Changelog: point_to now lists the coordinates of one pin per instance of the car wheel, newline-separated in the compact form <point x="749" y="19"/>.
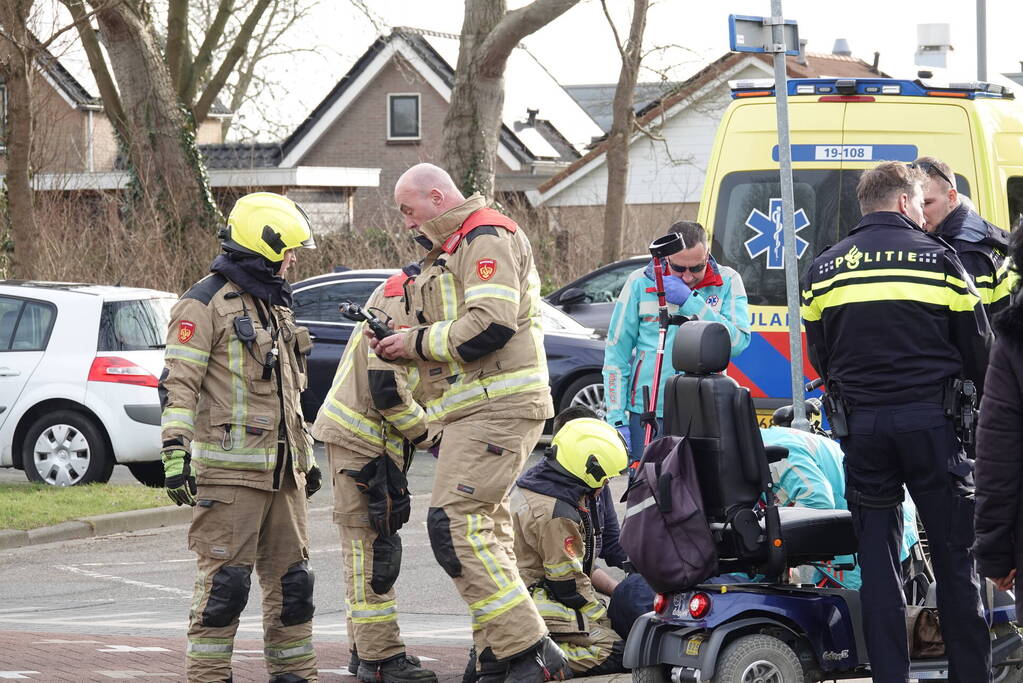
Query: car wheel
<point x="147" y="473"/>
<point x="587" y="390"/>
<point x="65" y="448"/>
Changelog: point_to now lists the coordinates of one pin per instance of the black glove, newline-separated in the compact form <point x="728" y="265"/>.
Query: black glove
<point x="178" y="477"/>
<point x="313" y="481"/>
<point x="390" y="504"/>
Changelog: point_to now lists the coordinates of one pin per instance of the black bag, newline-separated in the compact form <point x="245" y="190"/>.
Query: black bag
<point x="390" y="504"/>
<point x="665" y="531"/>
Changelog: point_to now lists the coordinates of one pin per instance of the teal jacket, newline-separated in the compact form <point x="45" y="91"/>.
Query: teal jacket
<point x="813" y="476"/>
<point x="631" y="348"/>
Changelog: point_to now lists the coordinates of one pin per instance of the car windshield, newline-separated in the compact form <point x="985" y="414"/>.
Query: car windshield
<point x="134" y="325"/>
<point x="554" y="321"/>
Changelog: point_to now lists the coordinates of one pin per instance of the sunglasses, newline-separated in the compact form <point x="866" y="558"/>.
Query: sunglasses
<point x="930" y="169"/>
<point x="692" y="269"/>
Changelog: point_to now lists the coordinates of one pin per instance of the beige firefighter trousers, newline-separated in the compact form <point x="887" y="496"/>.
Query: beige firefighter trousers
<point x="470" y="527"/>
<point x="233" y="529"/>
<point x="371" y="564"/>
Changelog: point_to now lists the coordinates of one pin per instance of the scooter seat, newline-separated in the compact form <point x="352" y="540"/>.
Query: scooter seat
<point x="810" y="535"/>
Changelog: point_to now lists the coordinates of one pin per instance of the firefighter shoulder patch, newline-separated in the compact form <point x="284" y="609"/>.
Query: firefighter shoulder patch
<point x="185" y="331"/>
<point x="570" y="546"/>
<point x="485" y="268"/>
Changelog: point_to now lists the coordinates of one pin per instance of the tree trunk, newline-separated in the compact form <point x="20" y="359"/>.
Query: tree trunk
<point x="16" y="72"/>
<point x="623" y="108"/>
<point x="171" y="183"/>
<point x="472" y="126"/>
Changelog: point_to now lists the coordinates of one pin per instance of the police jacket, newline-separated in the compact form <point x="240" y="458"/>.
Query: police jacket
<point x="476" y="336"/>
<point x="370" y="408"/>
<point x="561" y="526"/>
<point x="631" y="348"/>
<point x="890" y="316"/>
<point x="999" y="464"/>
<point x="981" y="247"/>
<point x="222" y="400"/>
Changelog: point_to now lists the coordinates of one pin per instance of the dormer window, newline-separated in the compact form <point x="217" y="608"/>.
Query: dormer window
<point x="403" y="118"/>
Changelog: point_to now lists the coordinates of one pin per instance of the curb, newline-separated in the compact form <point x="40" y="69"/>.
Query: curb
<point x="99" y="525"/>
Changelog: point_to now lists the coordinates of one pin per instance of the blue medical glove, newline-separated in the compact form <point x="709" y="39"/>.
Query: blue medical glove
<point x="626" y="435"/>
<point x="676" y="291"/>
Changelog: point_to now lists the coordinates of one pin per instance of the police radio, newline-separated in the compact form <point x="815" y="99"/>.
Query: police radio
<point x="356" y="314"/>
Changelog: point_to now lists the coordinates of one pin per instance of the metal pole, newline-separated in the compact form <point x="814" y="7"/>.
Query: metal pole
<point x="799" y="420"/>
<point x="981" y="40"/>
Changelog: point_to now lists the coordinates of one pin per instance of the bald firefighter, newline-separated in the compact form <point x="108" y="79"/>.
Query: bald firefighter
<point x="557" y="517"/>
<point x="371" y="424"/>
<point x="478" y="345"/>
<point x="235" y="445"/>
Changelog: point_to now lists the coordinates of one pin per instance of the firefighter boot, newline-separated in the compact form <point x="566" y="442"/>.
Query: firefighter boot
<point x="543" y="662"/>
<point x="398" y="669"/>
<point x="469" y="675"/>
<point x="287" y="678"/>
<point x="353" y="663"/>
<point x="491" y="670"/>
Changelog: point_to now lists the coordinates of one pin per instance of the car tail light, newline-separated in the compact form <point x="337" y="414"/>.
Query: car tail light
<point x="120" y="371"/>
<point x="660" y="602"/>
<point x="699" y="605"/>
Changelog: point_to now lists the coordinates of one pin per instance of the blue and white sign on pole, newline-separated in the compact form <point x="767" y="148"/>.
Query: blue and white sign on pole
<point x="756" y="34"/>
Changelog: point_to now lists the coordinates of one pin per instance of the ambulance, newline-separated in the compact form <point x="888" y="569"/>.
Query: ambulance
<point x="839" y="127"/>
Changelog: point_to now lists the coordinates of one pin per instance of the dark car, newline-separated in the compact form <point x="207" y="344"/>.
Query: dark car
<point x="591" y="298"/>
<point x="575" y="355"/>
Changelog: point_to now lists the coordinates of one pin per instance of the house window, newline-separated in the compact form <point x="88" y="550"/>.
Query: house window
<point x="403" y="116"/>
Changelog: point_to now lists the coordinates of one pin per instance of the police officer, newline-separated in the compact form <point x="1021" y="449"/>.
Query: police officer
<point x="478" y="344"/>
<point x="235" y="445"/>
<point x="368" y="421"/>
<point x="890" y="321"/>
<point x="981" y="246"/>
<point x="558" y="514"/>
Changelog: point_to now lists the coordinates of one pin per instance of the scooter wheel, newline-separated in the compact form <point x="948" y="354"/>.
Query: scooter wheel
<point x="649" y="674"/>
<point x="759" y="658"/>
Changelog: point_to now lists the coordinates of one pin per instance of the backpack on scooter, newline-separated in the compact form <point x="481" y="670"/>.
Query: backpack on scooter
<point x="665" y="532"/>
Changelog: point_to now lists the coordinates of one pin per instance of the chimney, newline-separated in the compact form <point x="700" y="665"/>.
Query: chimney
<point x="934" y="42"/>
<point x="801" y="57"/>
<point x="841" y="48"/>
<point x="877" y="60"/>
<point x="531" y="117"/>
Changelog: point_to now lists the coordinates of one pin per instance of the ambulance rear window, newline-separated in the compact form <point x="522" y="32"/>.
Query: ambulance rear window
<point x="747" y="223"/>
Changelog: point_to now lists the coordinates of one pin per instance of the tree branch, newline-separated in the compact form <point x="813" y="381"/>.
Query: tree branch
<point x="204" y="55"/>
<point x="177" y="30"/>
<point x="215" y="85"/>
<point x="614" y="29"/>
<point x="101" y="72"/>
<point x="516" y="25"/>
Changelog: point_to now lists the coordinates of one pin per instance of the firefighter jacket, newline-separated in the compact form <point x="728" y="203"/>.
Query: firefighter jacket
<point x="224" y="399"/>
<point x="370" y="408"/>
<point x="632" y="335"/>
<point x="561" y="527"/>
<point x="478" y="339"/>
<point x="890" y="315"/>
<point x="981" y="247"/>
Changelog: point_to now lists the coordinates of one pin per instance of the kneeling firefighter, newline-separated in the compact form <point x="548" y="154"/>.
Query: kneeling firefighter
<point x="235" y="445"/>
<point x="557" y="514"/>
<point x="371" y="425"/>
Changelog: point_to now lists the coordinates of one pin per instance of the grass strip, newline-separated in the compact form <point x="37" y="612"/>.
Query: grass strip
<point x="30" y="506"/>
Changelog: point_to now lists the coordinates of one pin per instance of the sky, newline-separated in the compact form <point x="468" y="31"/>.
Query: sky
<point x="578" y="46"/>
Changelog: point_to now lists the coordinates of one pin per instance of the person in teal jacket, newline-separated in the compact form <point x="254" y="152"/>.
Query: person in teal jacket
<point x="813" y="476"/>
<point x="698" y="287"/>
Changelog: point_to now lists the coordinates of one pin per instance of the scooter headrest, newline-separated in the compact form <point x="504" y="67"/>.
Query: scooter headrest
<point x="701" y="347"/>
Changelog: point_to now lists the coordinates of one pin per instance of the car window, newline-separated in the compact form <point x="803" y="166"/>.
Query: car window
<point x="320" y="302"/>
<point x="553" y="320"/>
<point x="604" y="287"/>
<point x="134" y="325"/>
<point x="25" y="325"/>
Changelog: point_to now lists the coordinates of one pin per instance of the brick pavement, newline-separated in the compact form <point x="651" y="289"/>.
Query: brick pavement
<point x="63" y="657"/>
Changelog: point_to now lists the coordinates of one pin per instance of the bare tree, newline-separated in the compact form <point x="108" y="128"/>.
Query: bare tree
<point x="471" y="127"/>
<point x="622" y="127"/>
<point x="17" y="60"/>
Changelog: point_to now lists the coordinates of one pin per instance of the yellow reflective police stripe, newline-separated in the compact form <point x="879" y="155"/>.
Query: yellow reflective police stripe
<point x="475" y="535"/>
<point x="438" y="340"/>
<point x="235" y="459"/>
<point x="285" y="652"/>
<point x="353" y="422"/>
<point x="550" y="608"/>
<point x="533" y="292"/>
<point x="938" y="276"/>
<point x="371" y="612"/>
<point x="594" y="610"/>
<point x="187" y="354"/>
<point x="412" y="379"/>
<point x="358" y="571"/>
<point x="408" y="417"/>
<point x="209" y="648"/>
<point x="891" y="291"/>
<point x="497" y="604"/>
<point x="556" y="571"/>
<point x="236" y="365"/>
<point x="580" y="653"/>
<point x="448" y="296"/>
<point x="502" y="292"/>
<point x="463" y="395"/>
<point x="182" y="418"/>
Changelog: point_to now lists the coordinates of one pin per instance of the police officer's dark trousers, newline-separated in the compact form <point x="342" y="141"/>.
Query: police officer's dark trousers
<point x="915" y="444"/>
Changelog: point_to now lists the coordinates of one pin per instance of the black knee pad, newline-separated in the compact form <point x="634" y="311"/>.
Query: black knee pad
<point x="287" y="678"/>
<point x="438" y="525"/>
<point x="297" y="594"/>
<point x="386" y="562"/>
<point x="228" y="596"/>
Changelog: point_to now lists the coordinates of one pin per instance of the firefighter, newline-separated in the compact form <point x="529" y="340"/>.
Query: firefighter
<point x="235" y="446"/>
<point x="478" y="344"/>
<point x="559" y="509"/>
<point x="370" y="424"/>
<point x="893" y="327"/>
